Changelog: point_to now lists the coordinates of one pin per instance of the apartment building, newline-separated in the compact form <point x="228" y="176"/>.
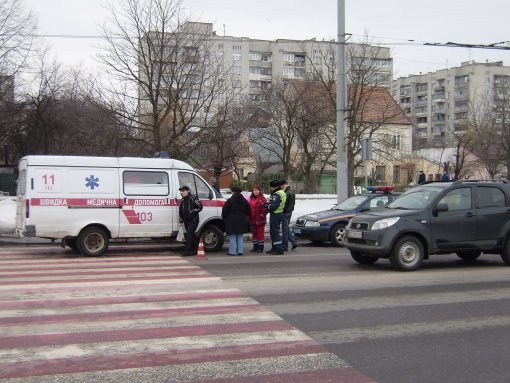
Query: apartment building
<point x="438" y="103"/>
<point x="257" y="63"/>
<point x="253" y="65"/>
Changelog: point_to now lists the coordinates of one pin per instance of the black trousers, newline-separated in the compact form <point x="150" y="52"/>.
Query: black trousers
<point x="191" y="238"/>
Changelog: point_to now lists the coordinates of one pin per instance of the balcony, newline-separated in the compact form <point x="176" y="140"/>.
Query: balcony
<point x="439" y="97"/>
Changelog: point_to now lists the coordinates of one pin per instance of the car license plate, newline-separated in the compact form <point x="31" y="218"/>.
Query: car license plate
<point x="297" y="231"/>
<point x="355" y="234"/>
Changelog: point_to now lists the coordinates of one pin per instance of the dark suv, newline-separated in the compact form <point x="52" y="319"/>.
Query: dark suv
<point x="462" y="217"/>
<point x="328" y="225"/>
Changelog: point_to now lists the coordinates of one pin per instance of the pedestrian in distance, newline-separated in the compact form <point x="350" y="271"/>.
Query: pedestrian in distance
<point x="290" y="201"/>
<point x="445" y="176"/>
<point x="189" y="209"/>
<point x="421" y="178"/>
<point x="275" y="206"/>
<point x="258" y="218"/>
<point x="237" y="216"/>
<point x="214" y="183"/>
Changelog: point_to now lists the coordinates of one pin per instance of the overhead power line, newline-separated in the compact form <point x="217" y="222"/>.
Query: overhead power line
<point x="502" y="45"/>
<point x="496" y="46"/>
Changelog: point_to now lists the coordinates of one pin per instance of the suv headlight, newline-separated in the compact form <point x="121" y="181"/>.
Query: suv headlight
<point x="312" y="224"/>
<point x="384" y="223"/>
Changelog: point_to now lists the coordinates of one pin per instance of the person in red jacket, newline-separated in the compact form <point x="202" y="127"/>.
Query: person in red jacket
<point x="258" y="219"/>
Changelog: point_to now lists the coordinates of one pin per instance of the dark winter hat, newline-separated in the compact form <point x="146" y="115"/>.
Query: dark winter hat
<point x="283" y="182"/>
<point x="236" y="189"/>
<point x="184" y="187"/>
<point x="274" y="183"/>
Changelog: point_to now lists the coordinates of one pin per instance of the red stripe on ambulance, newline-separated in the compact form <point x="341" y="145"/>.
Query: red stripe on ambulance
<point x="132" y="217"/>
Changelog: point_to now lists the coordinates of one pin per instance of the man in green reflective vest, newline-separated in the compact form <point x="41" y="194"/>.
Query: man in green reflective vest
<point x="275" y="206"/>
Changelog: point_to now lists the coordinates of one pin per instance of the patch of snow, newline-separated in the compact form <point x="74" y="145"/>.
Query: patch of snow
<point x="7" y="215"/>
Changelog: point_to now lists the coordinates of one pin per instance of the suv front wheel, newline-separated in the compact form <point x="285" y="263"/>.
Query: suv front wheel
<point x="407" y="254"/>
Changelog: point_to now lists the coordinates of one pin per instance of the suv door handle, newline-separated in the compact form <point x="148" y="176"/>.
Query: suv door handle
<point x="469" y="214"/>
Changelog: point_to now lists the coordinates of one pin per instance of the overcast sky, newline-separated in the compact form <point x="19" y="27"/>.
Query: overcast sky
<point x="401" y="25"/>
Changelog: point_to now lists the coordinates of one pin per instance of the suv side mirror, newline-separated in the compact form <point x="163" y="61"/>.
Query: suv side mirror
<point x="440" y="207"/>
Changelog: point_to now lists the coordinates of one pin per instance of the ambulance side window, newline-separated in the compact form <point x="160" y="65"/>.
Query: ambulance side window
<point x="203" y="190"/>
<point x="145" y="183"/>
<point x="197" y="185"/>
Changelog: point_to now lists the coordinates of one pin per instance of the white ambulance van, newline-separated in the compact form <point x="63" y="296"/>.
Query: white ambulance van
<point x="87" y="201"/>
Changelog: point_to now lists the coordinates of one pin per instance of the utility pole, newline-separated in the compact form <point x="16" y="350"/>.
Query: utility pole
<point x="341" y="89"/>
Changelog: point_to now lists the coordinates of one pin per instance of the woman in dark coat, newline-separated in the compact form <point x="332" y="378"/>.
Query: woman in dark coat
<point x="236" y="214"/>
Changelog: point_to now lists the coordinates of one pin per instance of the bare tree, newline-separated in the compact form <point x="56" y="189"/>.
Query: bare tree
<point x="488" y="137"/>
<point x="224" y="142"/>
<point x="281" y="108"/>
<point x="502" y="116"/>
<point x="315" y="128"/>
<point x="62" y="114"/>
<point x="16" y="36"/>
<point x="163" y="61"/>
<point x="367" y="112"/>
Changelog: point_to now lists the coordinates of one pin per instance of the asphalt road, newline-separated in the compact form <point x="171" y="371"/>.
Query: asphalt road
<point x="142" y="313"/>
<point x="447" y="322"/>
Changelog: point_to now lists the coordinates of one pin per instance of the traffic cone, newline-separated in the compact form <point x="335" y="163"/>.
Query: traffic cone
<point x="201" y="253"/>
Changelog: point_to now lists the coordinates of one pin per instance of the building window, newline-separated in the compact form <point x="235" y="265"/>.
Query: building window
<point x="421" y="100"/>
<point x="288" y="71"/>
<point x="421" y="87"/>
<point x="380" y="173"/>
<point x="395" y="142"/>
<point x="255" y="56"/>
<point x="288" y="57"/>
<point x="299" y="72"/>
<point x="396" y="174"/>
<point x="236" y="47"/>
<point x="236" y="56"/>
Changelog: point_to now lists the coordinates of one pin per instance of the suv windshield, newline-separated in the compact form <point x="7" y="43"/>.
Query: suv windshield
<point x="417" y="198"/>
<point x="351" y="203"/>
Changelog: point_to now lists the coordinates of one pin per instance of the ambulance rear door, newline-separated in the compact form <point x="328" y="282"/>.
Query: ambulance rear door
<point x="21" y="198"/>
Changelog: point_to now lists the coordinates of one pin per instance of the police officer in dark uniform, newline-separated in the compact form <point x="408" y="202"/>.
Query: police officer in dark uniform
<point x="275" y="206"/>
<point x="189" y="208"/>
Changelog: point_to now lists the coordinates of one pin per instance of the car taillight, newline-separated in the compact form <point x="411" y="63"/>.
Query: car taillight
<point x="27" y="210"/>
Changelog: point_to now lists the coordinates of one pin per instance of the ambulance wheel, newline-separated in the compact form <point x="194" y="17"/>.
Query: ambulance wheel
<point x="213" y="238"/>
<point x="93" y="241"/>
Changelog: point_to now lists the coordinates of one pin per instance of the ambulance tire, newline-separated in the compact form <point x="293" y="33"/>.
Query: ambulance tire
<point x="93" y="241"/>
<point x="213" y="238"/>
